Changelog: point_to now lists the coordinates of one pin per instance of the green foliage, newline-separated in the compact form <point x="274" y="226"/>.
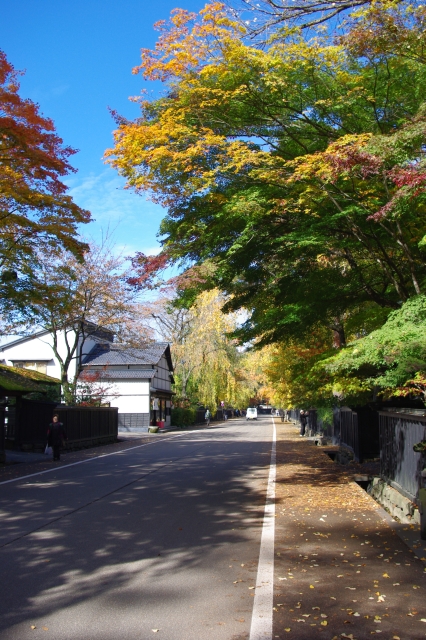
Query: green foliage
<point x="183" y="417"/>
<point x="420" y="447"/>
<point x="295" y="168"/>
<point x="47" y="393"/>
<point x="325" y="415"/>
<point x="387" y="358"/>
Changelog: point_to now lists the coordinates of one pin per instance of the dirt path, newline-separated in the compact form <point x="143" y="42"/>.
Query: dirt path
<point x="340" y="570"/>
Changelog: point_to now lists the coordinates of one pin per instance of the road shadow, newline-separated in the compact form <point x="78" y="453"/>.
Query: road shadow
<point x="171" y="513"/>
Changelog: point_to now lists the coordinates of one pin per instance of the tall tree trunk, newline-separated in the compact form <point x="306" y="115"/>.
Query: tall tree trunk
<point x="67" y="388"/>
<point x="339" y="337"/>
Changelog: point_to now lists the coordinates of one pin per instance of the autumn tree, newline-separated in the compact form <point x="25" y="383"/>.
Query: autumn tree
<point x="75" y="299"/>
<point x="292" y="375"/>
<point x="265" y="17"/>
<point x="208" y="366"/>
<point x="92" y="390"/>
<point x="296" y="167"/>
<point x="36" y="213"/>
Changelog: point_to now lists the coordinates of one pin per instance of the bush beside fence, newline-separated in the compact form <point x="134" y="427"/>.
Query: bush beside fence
<point x="186" y="417"/>
<point x="183" y="417"/>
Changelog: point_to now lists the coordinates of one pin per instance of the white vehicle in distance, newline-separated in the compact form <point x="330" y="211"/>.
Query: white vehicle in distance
<point x="251" y="413"/>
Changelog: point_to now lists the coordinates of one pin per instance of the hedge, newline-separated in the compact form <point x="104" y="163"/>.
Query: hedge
<point x="183" y="417"/>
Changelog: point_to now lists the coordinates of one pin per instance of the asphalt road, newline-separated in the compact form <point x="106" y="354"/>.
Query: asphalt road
<point x="158" y="541"/>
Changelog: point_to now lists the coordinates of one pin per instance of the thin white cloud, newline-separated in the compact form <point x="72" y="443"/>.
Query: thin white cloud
<point x="132" y="220"/>
<point x="152" y="251"/>
<point x="42" y="96"/>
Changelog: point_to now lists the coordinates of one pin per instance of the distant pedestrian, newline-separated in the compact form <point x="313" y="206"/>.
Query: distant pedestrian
<point x="281" y="412"/>
<point x="207" y="417"/>
<point x="303" y="420"/>
<point x="56" y="436"/>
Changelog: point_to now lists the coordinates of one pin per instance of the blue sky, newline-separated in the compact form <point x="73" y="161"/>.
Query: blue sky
<point x="78" y="58"/>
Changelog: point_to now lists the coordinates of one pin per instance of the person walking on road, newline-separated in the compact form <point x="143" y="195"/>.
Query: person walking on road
<point x="56" y="436"/>
<point x="281" y="413"/>
<point x="303" y="420"/>
<point x="207" y="417"/>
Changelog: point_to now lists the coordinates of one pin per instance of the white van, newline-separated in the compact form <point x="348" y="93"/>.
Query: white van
<point x="251" y="413"/>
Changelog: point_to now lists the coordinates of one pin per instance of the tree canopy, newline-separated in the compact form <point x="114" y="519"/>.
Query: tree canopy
<point x="295" y="168"/>
<point x="389" y="361"/>
<point x="209" y="368"/>
<point x="36" y="213"/>
<point x="74" y="299"/>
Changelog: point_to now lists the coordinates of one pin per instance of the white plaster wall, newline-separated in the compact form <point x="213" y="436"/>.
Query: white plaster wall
<point x="40" y="348"/>
<point x="129" y="388"/>
<point x="130" y="404"/>
<point x="131" y="397"/>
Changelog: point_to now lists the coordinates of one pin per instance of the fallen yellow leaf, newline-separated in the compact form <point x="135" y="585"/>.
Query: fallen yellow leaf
<point x="311" y="586"/>
<point x="33" y="627"/>
<point x="385" y="575"/>
<point x="324" y="623"/>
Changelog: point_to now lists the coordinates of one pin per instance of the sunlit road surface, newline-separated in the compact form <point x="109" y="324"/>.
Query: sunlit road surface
<point x="159" y="541"/>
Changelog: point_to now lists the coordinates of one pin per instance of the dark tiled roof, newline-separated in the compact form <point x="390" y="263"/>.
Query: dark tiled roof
<point x="104" y="354"/>
<point x="141" y="374"/>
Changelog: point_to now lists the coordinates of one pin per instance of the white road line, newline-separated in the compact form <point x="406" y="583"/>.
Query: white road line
<point x="103" y="455"/>
<point x="261" y="621"/>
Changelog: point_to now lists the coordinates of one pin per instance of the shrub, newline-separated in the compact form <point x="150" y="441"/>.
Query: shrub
<point x="183" y="417"/>
<point x="325" y="417"/>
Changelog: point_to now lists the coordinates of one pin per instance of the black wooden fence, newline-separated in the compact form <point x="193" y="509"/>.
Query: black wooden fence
<point x="88" y="426"/>
<point x="358" y="429"/>
<point x="312" y="419"/>
<point x="294" y="415"/>
<point x="85" y="426"/>
<point x="399" y="464"/>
